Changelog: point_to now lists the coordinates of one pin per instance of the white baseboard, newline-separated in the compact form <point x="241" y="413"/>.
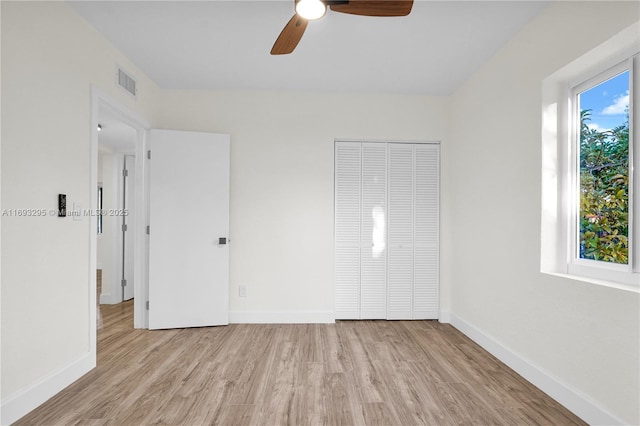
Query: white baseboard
<point x="281" y="317"/>
<point x="581" y="405"/>
<point x="20" y="404"/>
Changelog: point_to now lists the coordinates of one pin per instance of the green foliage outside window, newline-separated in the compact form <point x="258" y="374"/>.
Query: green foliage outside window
<point x="604" y="192"/>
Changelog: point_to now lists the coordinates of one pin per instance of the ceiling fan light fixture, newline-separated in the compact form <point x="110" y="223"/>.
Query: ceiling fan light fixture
<point x="311" y="9"/>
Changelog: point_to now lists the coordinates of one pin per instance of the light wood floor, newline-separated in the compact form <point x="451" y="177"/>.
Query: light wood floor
<point x="348" y="373"/>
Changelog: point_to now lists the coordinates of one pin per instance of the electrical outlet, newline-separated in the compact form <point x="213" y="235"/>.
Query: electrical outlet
<point x="242" y="291"/>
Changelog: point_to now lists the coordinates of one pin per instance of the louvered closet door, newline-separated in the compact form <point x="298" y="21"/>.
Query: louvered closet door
<point x="401" y="224"/>
<point x="426" y="236"/>
<point x="386" y="230"/>
<point x="347" y="229"/>
<point x="373" y="279"/>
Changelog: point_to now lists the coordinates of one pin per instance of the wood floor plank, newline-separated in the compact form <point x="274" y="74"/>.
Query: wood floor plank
<point x="347" y="373"/>
<point x="193" y="397"/>
<point x="377" y="414"/>
<point x="243" y="414"/>
<point x="344" y="410"/>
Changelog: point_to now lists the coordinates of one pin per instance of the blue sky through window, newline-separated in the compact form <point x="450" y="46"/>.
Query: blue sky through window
<point x="608" y="102"/>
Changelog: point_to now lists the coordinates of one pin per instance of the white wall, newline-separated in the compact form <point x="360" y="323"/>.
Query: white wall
<point x="585" y="336"/>
<point x="282" y="183"/>
<point x="50" y="60"/>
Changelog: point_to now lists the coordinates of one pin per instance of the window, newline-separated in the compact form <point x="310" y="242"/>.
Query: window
<point x="602" y="237"/>
<point x="590" y="218"/>
<point x="602" y="116"/>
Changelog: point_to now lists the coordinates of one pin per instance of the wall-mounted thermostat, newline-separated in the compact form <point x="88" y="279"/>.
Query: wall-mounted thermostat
<point x="62" y="205"/>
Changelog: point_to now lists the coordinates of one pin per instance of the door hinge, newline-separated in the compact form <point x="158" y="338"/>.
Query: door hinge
<point x="125" y="172"/>
<point x="148" y="229"/>
<point x="147" y="305"/>
<point x="123" y="283"/>
<point x="124" y="227"/>
<point x="149" y="154"/>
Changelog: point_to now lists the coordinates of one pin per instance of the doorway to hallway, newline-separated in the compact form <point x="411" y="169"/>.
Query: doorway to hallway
<point x="115" y="207"/>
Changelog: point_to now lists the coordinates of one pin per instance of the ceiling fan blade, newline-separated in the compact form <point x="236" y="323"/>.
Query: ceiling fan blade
<point x="290" y="36"/>
<point x="374" y="7"/>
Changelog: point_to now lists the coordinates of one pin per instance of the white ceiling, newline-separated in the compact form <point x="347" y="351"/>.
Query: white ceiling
<point x="224" y="45"/>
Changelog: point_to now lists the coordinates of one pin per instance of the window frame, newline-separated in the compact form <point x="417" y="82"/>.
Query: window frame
<point x="600" y="270"/>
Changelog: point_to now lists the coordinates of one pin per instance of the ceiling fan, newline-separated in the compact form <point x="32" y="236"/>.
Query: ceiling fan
<point x="309" y="10"/>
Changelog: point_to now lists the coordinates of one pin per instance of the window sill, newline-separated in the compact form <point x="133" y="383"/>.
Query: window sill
<point x="611" y="284"/>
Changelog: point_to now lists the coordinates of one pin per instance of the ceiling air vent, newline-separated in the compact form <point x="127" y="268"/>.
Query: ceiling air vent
<point x="125" y="81"/>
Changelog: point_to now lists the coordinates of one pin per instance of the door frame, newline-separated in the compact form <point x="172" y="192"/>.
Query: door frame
<point x="100" y="100"/>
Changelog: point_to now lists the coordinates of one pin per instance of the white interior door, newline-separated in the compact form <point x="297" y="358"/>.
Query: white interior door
<point x="426" y="236"/>
<point x="401" y="230"/>
<point x="348" y="188"/>
<point x="373" y="252"/>
<point x="189" y="218"/>
<point x="129" y="233"/>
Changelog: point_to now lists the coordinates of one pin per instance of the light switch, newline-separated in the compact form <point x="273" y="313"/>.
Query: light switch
<point x="77" y="212"/>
